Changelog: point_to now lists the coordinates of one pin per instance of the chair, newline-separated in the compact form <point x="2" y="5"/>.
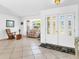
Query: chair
<point x="10" y="34"/>
<point x="34" y="33"/>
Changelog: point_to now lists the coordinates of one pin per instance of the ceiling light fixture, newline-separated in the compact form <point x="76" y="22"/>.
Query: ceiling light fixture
<point x="57" y="2"/>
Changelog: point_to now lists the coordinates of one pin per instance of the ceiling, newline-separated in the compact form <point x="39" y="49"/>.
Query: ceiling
<point x="30" y="7"/>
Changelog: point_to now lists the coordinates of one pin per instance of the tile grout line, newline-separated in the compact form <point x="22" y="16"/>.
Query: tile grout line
<point x="11" y="52"/>
<point x="22" y="48"/>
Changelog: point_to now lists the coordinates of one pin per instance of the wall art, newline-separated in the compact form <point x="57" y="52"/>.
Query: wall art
<point x="10" y="23"/>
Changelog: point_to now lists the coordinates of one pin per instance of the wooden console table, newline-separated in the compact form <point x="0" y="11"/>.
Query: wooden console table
<point x="18" y="36"/>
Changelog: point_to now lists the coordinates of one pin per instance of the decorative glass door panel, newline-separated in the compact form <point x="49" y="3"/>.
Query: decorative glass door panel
<point x="52" y="30"/>
<point x="66" y="30"/>
<point x="70" y="29"/>
<point x="61" y="30"/>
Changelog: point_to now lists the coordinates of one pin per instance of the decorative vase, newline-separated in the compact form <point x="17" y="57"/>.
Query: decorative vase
<point x="19" y="31"/>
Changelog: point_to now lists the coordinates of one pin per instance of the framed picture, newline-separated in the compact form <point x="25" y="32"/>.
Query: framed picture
<point x="9" y="23"/>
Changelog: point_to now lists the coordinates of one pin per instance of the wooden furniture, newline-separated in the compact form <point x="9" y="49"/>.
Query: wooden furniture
<point x="10" y="34"/>
<point x="18" y="36"/>
<point x="34" y="33"/>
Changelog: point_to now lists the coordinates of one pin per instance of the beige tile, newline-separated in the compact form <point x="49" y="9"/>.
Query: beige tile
<point x="28" y="57"/>
<point x="63" y="55"/>
<point x="27" y="53"/>
<point x="37" y="51"/>
<point x="46" y="51"/>
<point x="27" y="48"/>
<point x="51" y="56"/>
<point x="18" y="50"/>
<point x="40" y="56"/>
<point x="33" y="44"/>
<point x="65" y="58"/>
<point x="1" y="51"/>
<point x="7" y="51"/>
<point x="16" y="58"/>
<point x="34" y="47"/>
<point x="16" y="54"/>
<point x="4" y="56"/>
<point x="18" y="46"/>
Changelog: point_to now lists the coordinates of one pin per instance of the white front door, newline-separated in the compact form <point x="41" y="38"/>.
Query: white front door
<point x="51" y="33"/>
<point x="66" y="30"/>
<point x="70" y="30"/>
<point x="62" y="30"/>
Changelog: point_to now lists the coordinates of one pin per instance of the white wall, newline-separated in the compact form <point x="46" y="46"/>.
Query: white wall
<point x="3" y="18"/>
<point x="23" y="27"/>
<point x="54" y="11"/>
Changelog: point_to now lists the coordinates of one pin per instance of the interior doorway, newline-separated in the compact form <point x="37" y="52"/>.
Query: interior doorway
<point x="33" y="28"/>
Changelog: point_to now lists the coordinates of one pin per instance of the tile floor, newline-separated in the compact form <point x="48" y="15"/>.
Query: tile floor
<point x="28" y="48"/>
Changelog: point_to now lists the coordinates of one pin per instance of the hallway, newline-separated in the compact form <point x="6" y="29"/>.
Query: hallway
<point x="28" y="48"/>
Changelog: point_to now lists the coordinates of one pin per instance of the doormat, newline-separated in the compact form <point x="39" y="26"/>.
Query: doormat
<point x="59" y="48"/>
